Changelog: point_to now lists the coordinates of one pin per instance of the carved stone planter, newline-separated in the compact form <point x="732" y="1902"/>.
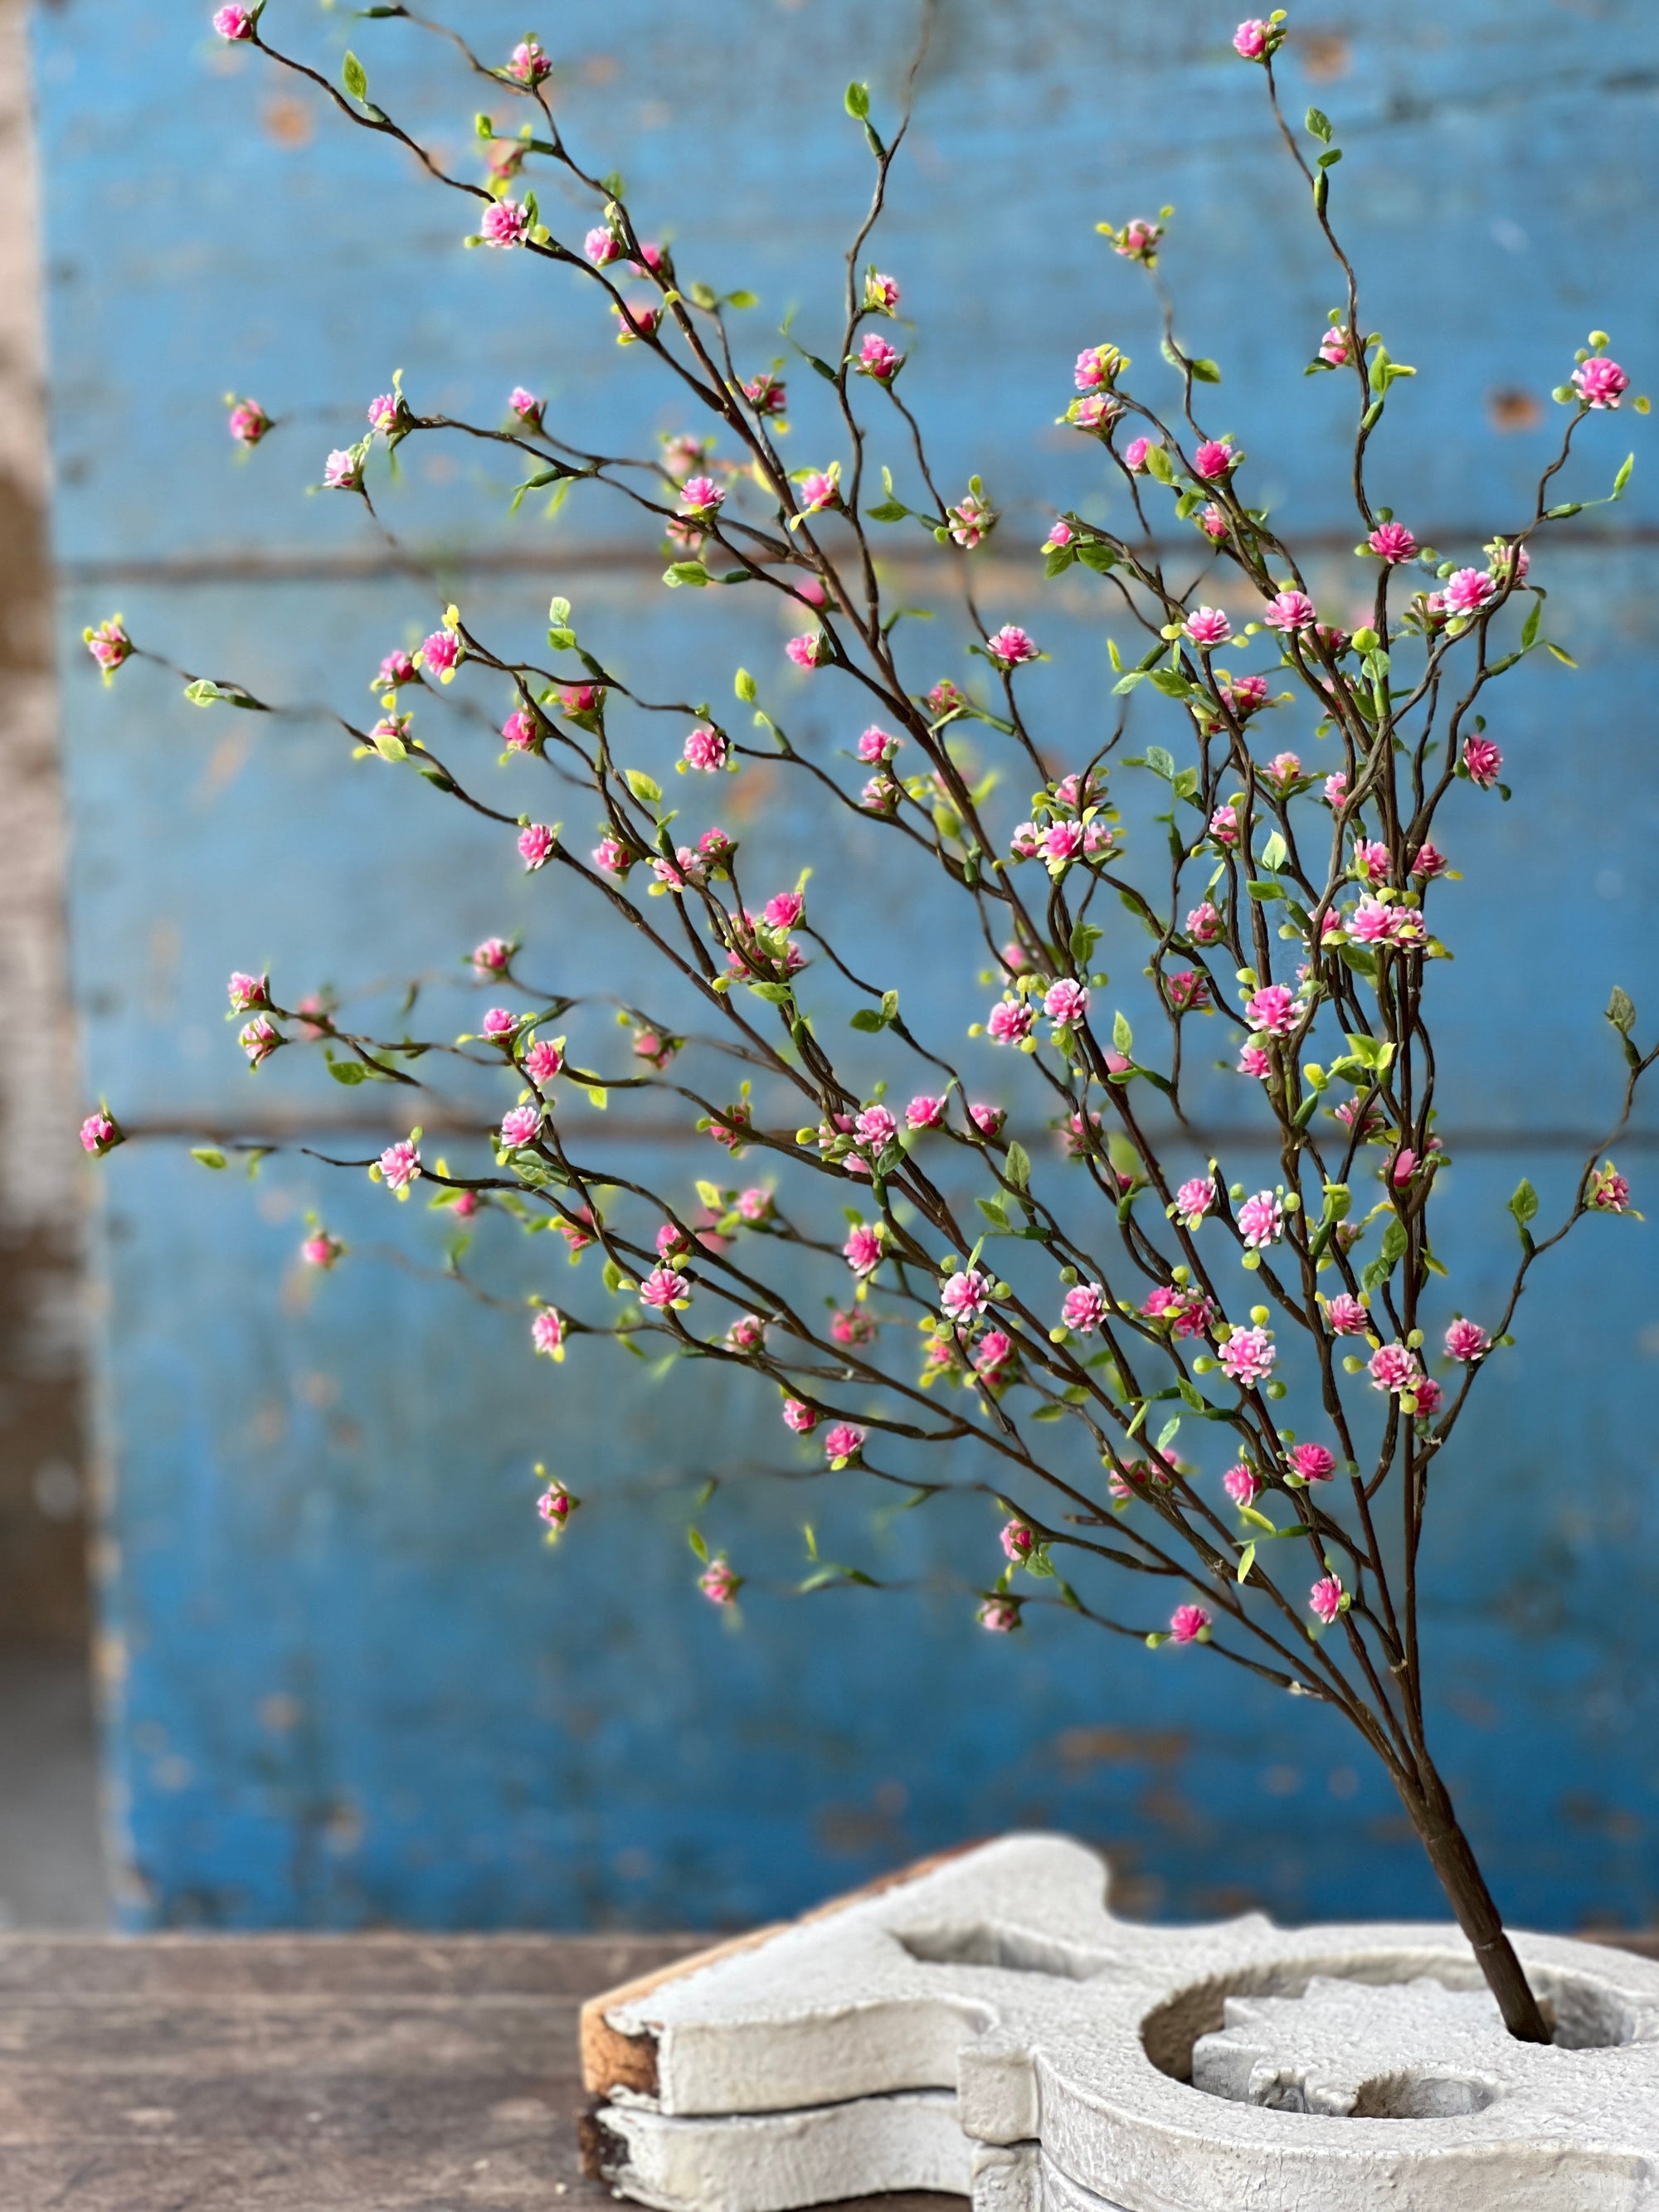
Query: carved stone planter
<point x="983" y="2024"/>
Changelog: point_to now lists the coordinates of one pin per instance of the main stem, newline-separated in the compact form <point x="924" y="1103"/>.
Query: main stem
<point x="1450" y="1854"/>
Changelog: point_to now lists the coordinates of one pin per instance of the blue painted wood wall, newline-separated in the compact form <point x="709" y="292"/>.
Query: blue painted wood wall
<point x="345" y="1683"/>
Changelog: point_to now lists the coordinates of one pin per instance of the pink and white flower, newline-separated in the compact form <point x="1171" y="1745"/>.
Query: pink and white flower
<point x="258" y="1039"/>
<point x="1261" y="1220"/>
<point x="1392" y="543"/>
<point x="1327" y="1598"/>
<point x="247" y="422"/>
<point x="1600" y="382"/>
<point x="877" y="745"/>
<point x="1289" y="611"/>
<point x="800" y="1418"/>
<point x="875" y="1128"/>
<point x="1272" y="1010"/>
<point x="1224" y="823"/>
<point x="99" y="1134"/>
<point x="811" y="650"/>
<point x="1241" y="1484"/>
<point x="1429" y="861"/>
<point x="701" y="496"/>
<point x="988" y="1119"/>
<point x="842" y="1442"/>
<point x="1255" y="1060"/>
<point x="718" y="1584"/>
<point x="528" y="63"/>
<point x="1606" y="1192"/>
<point x="499" y="1022"/>
<point x="881" y="293"/>
<point x="400" y="1164"/>
<point x="1066" y="1002"/>
<point x="1189" y="1624"/>
<point x="1000" y="1615"/>
<point x="1010" y="1021"/>
<point x="964" y="1297"/>
<point x="1482" y="761"/>
<point x="441" y="654"/>
<point x="1346" y="1317"/>
<point x="1466" y="1340"/>
<point x="1010" y="646"/>
<point x="1213" y="459"/>
<point x="664" y="1287"/>
<point x="1195" y="1200"/>
<point x="1393" y="1370"/>
<point x="925" y="1112"/>
<point x="862" y="1250"/>
<point x="1469" y="590"/>
<point x="321" y="1250"/>
<point x="707" y="749"/>
<point x="248" y="993"/>
<point x="1084" y="1308"/>
<point x="1204" y="925"/>
<point x="1313" y="1462"/>
<point x="493" y="957"/>
<point x="1334" y="349"/>
<point x="537" y="844"/>
<point x="1208" y="627"/>
<point x="232" y="22"/>
<point x="543" y="1061"/>
<point x="504" y="223"/>
<point x="520" y="1127"/>
<point x="1249" y="1355"/>
<point x="880" y="358"/>
<point x="525" y="405"/>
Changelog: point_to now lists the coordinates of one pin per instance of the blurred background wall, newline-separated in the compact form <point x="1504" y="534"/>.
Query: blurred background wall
<point x="343" y="1682"/>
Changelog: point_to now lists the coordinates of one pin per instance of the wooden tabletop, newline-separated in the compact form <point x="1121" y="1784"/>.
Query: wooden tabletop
<point x="303" y="2074"/>
<point x="307" y="2074"/>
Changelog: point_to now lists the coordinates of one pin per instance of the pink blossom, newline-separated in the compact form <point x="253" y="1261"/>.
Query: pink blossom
<point x="440" y="652"/>
<point x="811" y="650"/>
<point x="1253" y="39"/>
<point x="1066" y="1002"/>
<point x="1392" y="543"/>
<point x="766" y="395"/>
<point x="1468" y="590"/>
<point x="1289" y="611"/>
<point x="1139" y="239"/>
<point x="706" y="750"/>
<point x="1010" y="646"/>
<point x="1204" y="925"/>
<point x="1429" y="862"/>
<point x="925" y="1112"/>
<point x="1272" y="1010"/>
<point x="1346" y="1317"/>
<point x="1208" y="627"/>
<point x="521" y="732"/>
<point x="843" y="1441"/>
<point x="232" y="22"/>
<point x="672" y="1242"/>
<point x="988" y="1119"/>
<point x="993" y="1353"/>
<point x="385" y="412"/>
<point x="321" y="1250"/>
<point x="248" y="993"/>
<point x="1326" y="1598"/>
<point x="400" y="1164"/>
<point x="504" y="223"/>
<point x="1211" y="521"/>
<point x="701" y="495"/>
<point x="1097" y="366"/>
<point x="1213" y="459"/>
<point x="1249" y="1355"/>
<point x="1508" y="558"/>
<point x="466" y="1206"/>
<point x="258" y="1039"/>
<point x="247" y="422"/>
<point x="1482" y="760"/>
<point x="1428" y="1395"/>
<point x="529" y="64"/>
<point x="862" y="1250"/>
<point x="1334" y="347"/>
<point x="98" y="1135"/>
<point x="1018" y="1541"/>
<point x="1061" y="534"/>
<point x="554" y="1506"/>
<point x="1313" y="1462"/>
<point x="525" y="405"/>
<point x="1405" y="1167"/>
<point x="536" y="846"/>
<point x="784" y="909"/>
<point x="614" y="859"/>
<point x="1134" y="455"/>
<point x="875" y="1126"/>
<point x="857" y="1326"/>
<point x="397" y="670"/>
<point x="1261" y="1220"/>
<point x="756" y="1204"/>
<point x="1010" y="1021"/>
<point x="1187" y="1623"/>
<point x="343" y="469"/>
<point x="1224" y="823"/>
<point x="1284" y="768"/>
<point x="1393" y="1368"/>
<point x="810" y="592"/>
<point x="664" y="1287"/>
<point x="1466" y="1340"/>
<point x="876" y="744"/>
<point x="1189" y="1311"/>
<point x="542" y="1061"/>
<point x="1084" y="1308"/>
<point x="492" y="956"/>
<point x="1371" y="922"/>
<point x="1187" y="992"/>
<point x="1600" y="382"/>
<point x="1096" y="413"/>
<point x="964" y="1297"/>
<point x="878" y="358"/>
<point x="1241" y="1484"/>
<point x="1195" y="1199"/>
<point x="718" y="1584"/>
<point x="1252" y="1060"/>
<point x="499" y="1022"/>
<point x="971" y="521"/>
<point x="799" y="1417"/>
<point x="1061" y="842"/>
<point x="1607" y="1191"/>
<point x="1000" y="1615"/>
<point x="519" y="1127"/>
<point x="880" y="293"/>
<point x="684" y="871"/>
<point x="1336" y="791"/>
<point x="647" y="1045"/>
<point x="747" y="1334"/>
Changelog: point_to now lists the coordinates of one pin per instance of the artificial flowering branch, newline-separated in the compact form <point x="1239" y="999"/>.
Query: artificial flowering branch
<point x="1078" y="1306"/>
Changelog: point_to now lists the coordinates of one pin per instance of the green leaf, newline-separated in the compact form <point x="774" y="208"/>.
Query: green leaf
<point x="741" y="300"/>
<point x="558" y="612"/>
<point x="1123" y="1037"/>
<point x="1319" y="126"/>
<point x="645" y="788"/>
<point x="745" y="685"/>
<point x="351" y="76"/>
<point x="857" y="101"/>
<point x="994" y="1212"/>
<point x="887" y="510"/>
<point x="1275" y="852"/>
<point x="1621" y="1012"/>
<point x="202" y="692"/>
<point x="1084" y="937"/>
<point x="1103" y="559"/>
<point x="209" y="1155"/>
<point x="868" y="1020"/>
<point x="1017" y="1165"/>
<point x="348" y="1071"/>
<point x="1204" y="372"/>
<point x="1529" y="628"/>
<point x="1623" y="477"/>
<point x="1562" y="655"/>
<point x="1524" y="1204"/>
<point x="562" y="638"/>
<point x="685" y="572"/>
<point x="694" y="1537"/>
<point x="1160" y="763"/>
<point x="1246" y="1561"/>
<point x="1169" y="1432"/>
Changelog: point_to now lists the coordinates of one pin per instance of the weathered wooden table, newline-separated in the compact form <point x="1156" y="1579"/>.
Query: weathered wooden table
<point x="302" y="2074"/>
<point x="307" y="2074"/>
